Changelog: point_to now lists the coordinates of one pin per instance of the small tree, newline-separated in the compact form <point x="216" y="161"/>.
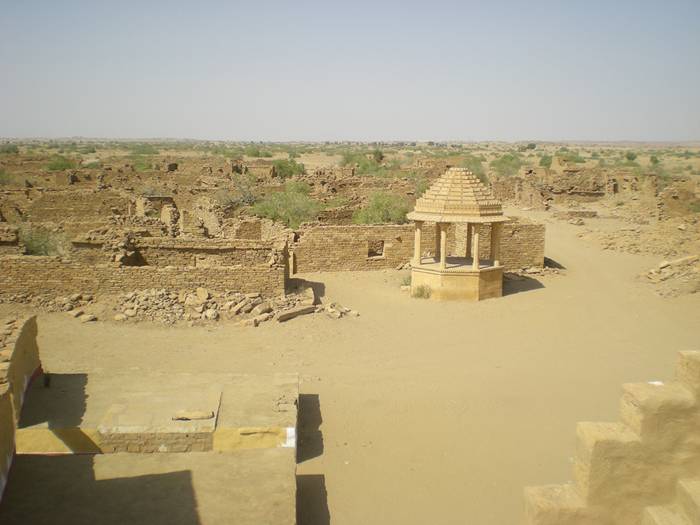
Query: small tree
<point x="10" y="149"/>
<point x="287" y="168"/>
<point x="382" y="208"/>
<point x="5" y="178"/>
<point x="40" y="241"/>
<point x="60" y="163"/>
<point x="508" y="164"/>
<point x="546" y="161"/>
<point x="292" y="206"/>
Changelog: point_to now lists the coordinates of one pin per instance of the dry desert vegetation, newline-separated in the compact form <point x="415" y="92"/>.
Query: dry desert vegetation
<point x="208" y="333"/>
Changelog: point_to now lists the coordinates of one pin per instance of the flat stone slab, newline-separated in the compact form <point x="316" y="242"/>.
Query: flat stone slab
<point x="108" y="413"/>
<point x="250" y="487"/>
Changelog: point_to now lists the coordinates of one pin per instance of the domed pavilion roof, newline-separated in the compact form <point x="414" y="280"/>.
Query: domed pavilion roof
<point x="458" y="196"/>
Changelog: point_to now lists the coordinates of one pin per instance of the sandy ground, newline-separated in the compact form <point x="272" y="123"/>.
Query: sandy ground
<point x="424" y="412"/>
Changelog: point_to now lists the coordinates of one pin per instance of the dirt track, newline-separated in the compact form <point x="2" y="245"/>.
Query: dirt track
<point x="432" y="413"/>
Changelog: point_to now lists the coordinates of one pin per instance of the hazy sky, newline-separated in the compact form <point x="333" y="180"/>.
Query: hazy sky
<point x="297" y="70"/>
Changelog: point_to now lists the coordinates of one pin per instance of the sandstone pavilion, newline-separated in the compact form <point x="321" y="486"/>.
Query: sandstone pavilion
<point x="458" y="197"/>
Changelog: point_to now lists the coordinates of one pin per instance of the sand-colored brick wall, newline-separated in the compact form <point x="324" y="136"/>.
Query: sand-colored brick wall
<point x="86" y="205"/>
<point x="341" y="247"/>
<point x="180" y="252"/>
<point x="623" y="469"/>
<point x="19" y="362"/>
<point x="53" y="275"/>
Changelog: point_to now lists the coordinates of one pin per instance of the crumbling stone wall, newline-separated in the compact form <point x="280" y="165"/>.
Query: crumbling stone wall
<point x="41" y="275"/>
<point x="184" y="252"/>
<point x="624" y="471"/>
<point x="9" y="241"/>
<point x="341" y="248"/>
<point x="80" y="205"/>
<point x="19" y="362"/>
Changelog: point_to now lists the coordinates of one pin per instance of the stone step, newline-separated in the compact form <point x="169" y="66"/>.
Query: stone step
<point x="557" y="504"/>
<point x="688" y="494"/>
<point x="655" y="409"/>
<point x="603" y="451"/>
<point x="663" y="515"/>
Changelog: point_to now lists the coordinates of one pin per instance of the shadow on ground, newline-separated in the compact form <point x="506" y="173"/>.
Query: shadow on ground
<point x="519" y="284"/>
<point x="48" y="490"/>
<point x="312" y="500"/>
<point x="297" y="285"/>
<point x="310" y="443"/>
<point x="551" y="263"/>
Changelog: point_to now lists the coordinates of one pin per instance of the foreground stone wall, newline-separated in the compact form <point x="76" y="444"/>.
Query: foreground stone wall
<point x="343" y="248"/>
<point x="52" y="275"/>
<point x="19" y="362"/>
<point x="624" y="471"/>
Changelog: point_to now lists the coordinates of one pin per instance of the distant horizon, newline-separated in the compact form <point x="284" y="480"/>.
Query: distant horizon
<point x="315" y="71"/>
<point x="356" y="141"/>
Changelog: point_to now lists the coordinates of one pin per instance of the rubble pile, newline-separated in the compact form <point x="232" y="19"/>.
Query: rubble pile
<point x="676" y="277"/>
<point x="669" y="239"/>
<point x="201" y="305"/>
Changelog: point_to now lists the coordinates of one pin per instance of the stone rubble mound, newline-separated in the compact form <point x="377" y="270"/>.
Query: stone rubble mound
<point x="202" y="306"/>
<point x="675" y="277"/>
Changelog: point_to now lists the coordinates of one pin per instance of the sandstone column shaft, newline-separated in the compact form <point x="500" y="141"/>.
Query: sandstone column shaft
<point x="470" y="232"/>
<point x="443" y="245"/>
<point x="475" y="245"/>
<point x="496" y="243"/>
<point x="437" y="241"/>
<point x="417" y="242"/>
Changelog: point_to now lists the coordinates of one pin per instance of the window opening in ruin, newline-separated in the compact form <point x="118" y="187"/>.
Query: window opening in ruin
<point x="375" y="249"/>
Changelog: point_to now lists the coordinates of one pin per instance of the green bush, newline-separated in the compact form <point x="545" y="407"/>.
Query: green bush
<point x="93" y="165"/>
<point x="422" y="292"/>
<point x="255" y="151"/>
<point x="473" y="164"/>
<point x="245" y="185"/>
<point x="40" y="241"/>
<point x="287" y="168"/>
<point x="141" y="163"/>
<point x="60" y="163"/>
<point x="12" y="149"/>
<point x="5" y="178"/>
<point x="654" y="160"/>
<point x="630" y="156"/>
<point x="506" y="165"/>
<point x="546" y="161"/>
<point x="143" y="149"/>
<point x="382" y="208"/>
<point x="292" y="206"/>
<point x="567" y="155"/>
<point x="364" y="164"/>
<point x="406" y="281"/>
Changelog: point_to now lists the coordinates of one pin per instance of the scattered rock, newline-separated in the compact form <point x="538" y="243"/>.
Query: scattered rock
<point x="295" y="312"/>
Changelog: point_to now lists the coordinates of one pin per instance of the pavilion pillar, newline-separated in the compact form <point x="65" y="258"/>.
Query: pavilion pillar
<point x="496" y="229"/>
<point x="437" y="241"/>
<point x="475" y="247"/>
<point x="417" y="242"/>
<point x="469" y="240"/>
<point x="443" y="245"/>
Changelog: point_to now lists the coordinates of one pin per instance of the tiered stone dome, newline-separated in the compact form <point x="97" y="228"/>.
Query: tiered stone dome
<point x="458" y="196"/>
